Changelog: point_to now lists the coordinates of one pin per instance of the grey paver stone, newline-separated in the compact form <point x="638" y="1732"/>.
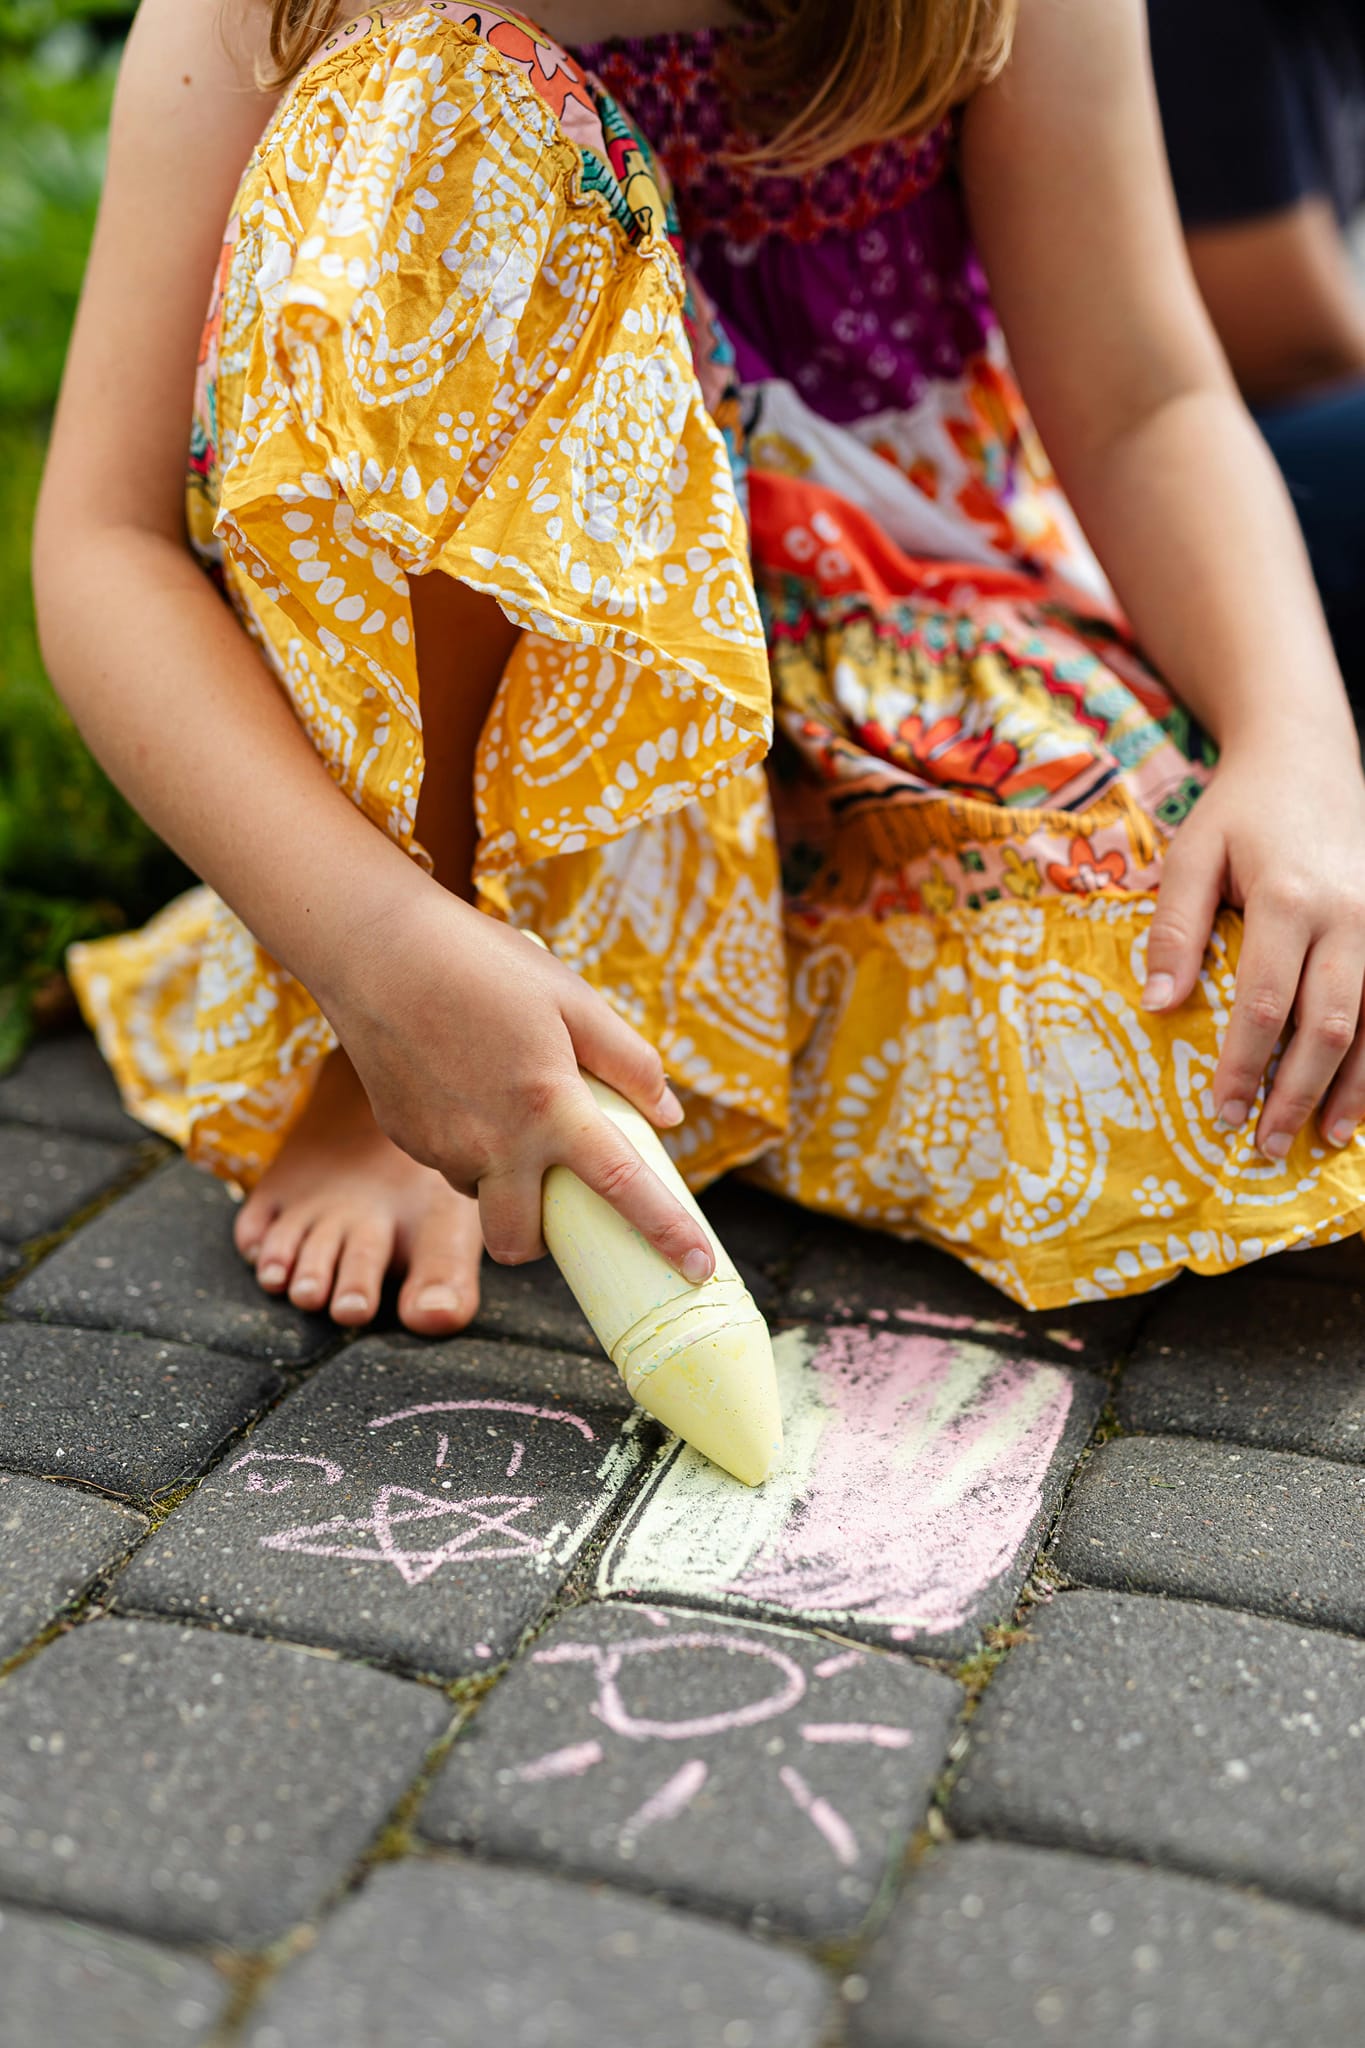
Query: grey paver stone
<point x="162" y="1261"/>
<point x="131" y="1414"/>
<point x="53" y="1541"/>
<point x="864" y="1276"/>
<point x="1266" y="1530"/>
<point x="997" y="1946"/>
<point x="418" y="1505"/>
<point x="442" y="1954"/>
<point x="763" y="1235"/>
<point x="532" y="1305"/>
<point x="193" y="1786"/>
<point x="46" y="1176"/>
<point x="63" y="1084"/>
<point x="739" y="1769"/>
<point x="918" y="1473"/>
<point x="1178" y="1734"/>
<point x="69" y="1986"/>
<point x="1256" y="1360"/>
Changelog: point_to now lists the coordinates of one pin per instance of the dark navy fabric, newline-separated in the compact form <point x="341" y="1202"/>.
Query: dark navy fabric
<point x="1263" y="102"/>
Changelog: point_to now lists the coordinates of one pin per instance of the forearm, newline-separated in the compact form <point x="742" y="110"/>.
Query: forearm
<point x="1192" y="522"/>
<point x="177" y="705"/>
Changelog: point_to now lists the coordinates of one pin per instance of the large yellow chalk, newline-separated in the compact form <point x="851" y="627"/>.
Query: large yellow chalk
<point x="699" y="1359"/>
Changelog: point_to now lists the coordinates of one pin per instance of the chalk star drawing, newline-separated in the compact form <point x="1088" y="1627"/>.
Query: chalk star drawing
<point x="415" y="1565"/>
<point x="788" y="1685"/>
<point x="396" y="1507"/>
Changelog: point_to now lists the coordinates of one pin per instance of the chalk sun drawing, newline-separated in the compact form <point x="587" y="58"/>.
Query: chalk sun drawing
<point x="787" y="1688"/>
<point x="913" y="1472"/>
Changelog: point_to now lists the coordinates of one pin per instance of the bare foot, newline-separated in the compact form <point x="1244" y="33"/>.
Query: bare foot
<point x="341" y="1205"/>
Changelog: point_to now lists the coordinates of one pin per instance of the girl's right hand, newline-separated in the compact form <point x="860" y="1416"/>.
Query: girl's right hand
<point x="469" y="1038"/>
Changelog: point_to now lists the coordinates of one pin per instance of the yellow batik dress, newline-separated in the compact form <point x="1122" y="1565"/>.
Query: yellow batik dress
<point x="451" y="331"/>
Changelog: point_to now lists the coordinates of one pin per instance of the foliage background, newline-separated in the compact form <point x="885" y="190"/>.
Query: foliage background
<point x="74" y="860"/>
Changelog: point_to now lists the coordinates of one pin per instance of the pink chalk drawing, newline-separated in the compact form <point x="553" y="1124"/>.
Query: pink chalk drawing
<point x="670" y="1800"/>
<point x="845" y="1661"/>
<point x="912" y="1477"/>
<point x="822" y="1815"/>
<point x="514" y="1465"/>
<point x="415" y="1565"/>
<point x="492" y="1408"/>
<point x="442" y="1450"/>
<point x="559" y="1763"/>
<point x="786" y="1687"/>
<point x="256" y="1482"/>
<point x="870" y="1732"/>
<point x="610" y="1708"/>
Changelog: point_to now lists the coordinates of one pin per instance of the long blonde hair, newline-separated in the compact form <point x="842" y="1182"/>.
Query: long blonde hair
<point x="885" y="68"/>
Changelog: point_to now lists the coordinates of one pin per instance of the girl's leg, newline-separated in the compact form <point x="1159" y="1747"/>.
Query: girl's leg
<point x="341" y="1205"/>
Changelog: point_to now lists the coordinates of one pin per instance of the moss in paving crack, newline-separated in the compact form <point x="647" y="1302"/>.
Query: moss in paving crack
<point x="150" y="1154"/>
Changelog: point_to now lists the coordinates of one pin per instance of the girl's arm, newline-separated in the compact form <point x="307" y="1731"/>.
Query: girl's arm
<point x="467" y="1038"/>
<point x="1071" y="200"/>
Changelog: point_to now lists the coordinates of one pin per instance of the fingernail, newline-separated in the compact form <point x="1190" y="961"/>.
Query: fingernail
<point x="272" y="1275"/>
<point x="698" y="1266"/>
<point x="670" y="1109"/>
<point x="1233" y="1115"/>
<point x="1341" y="1134"/>
<point x="438" y="1297"/>
<point x="1277" y="1145"/>
<point x="1158" y="992"/>
<point x="347" y="1304"/>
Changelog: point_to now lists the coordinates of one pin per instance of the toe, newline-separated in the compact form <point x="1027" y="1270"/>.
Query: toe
<point x="251" y="1223"/>
<point x="441" y="1292"/>
<point x="279" y="1248"/>
<point x="365" y="1258"/>
<point x="316" y="1264"/>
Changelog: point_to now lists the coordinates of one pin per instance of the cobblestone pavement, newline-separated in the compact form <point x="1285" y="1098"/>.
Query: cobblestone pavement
<point x="382" y="1694"/>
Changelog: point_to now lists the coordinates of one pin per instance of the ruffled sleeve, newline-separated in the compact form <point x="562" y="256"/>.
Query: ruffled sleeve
<point x="461" y="360"/>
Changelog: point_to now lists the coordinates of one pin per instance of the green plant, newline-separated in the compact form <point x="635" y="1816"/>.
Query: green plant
<point x="74" y="860"/>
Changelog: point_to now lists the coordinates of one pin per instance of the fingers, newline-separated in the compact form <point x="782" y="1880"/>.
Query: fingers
<point x="1267" y="982"/>
<point x="1187" y="903"/>
<point x="1328" y="1013"/>
<point x="1344" y="1110"/>
<point x="607" y="1162"/>
<point x="605" y="1045"/>
<point x="509" y="1213"/>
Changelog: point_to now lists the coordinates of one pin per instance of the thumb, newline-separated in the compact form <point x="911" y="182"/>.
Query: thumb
<point x="1187" y="903"/>
<point x="612" y="1050"/>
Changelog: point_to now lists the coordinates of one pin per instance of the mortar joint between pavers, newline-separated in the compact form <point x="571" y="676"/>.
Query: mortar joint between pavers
<point x="149" y="1154"/>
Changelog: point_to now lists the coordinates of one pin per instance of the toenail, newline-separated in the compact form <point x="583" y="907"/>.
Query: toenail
<point x="273" y="1274"/>
<point x="438" y="1297"/>
<point x="345" y="1304"/>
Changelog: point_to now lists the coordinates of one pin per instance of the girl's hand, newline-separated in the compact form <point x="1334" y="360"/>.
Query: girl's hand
<point x="468" y="1039"/>
<point x="1279" y="834"/>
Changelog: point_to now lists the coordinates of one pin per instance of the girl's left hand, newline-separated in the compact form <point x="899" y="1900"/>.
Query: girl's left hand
<point x="1279" y="834"/>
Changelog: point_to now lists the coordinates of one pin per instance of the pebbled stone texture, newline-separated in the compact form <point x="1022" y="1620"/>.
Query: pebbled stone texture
<point x="850" y="1275"/>
<point x="1180" y="1735"/>
<point x="68" y="1986"/>
<point x="126" y="1413"/>
<point x="1256" y="1360"/>
<point x="489" y="1956"/>
<point x="995" y="1946"/>
<point x="197" y="1787"/>
<point x="1265" y="1530"/>
<point x="918" y="1474"/>
<point x="53" y="1541"/>
<point x="433" y="1540"/>
<point x="739" y="1770"/>
<point x="162" y="1261"/>
<point x="46" y="1177"/>
<point x="532" y="1305"/>
<point x="62" y="1084"/>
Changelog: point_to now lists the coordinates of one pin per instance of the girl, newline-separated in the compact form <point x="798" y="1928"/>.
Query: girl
<point x="462" y="462"/>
